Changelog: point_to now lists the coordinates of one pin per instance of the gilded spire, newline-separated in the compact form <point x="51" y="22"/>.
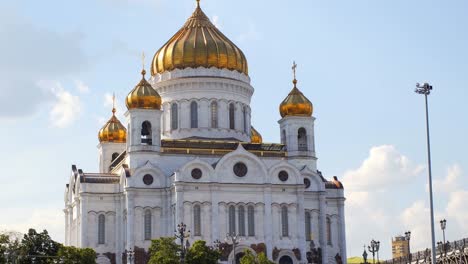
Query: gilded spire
<point x="143" y="96"/>
<point x="198" y="3"/>
<point x="113" y="104"/>
<point x="143" y="71"/>
<point x="113" y="130"/>
<point x="296" y="104"/>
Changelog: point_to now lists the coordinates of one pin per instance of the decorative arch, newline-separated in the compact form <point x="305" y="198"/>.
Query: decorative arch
<point x="146" y="133"/>
<point x="302" y="139"/>
<point x="240" y="249"/>
<point x="153" y="170"/>
<point x="316" y="180"/>
<point x="207" y="170"/>
<point x="294" y="173"/>
<point x="287" y="253"/>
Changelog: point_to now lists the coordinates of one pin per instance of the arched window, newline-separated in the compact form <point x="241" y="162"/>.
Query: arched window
<point x="197" y="220"/>
<point x="241" y="216"/>
<point x="232" y="115"/>
<point x="284" y="221"/>
<point x="148" y="223"/>
<point x="232" y="220"/>
<point x="244" y="118"/>
<point x="193" y="115"/>
<point x="114" y="156"/>
<point x="308" y="228"/>
<point x="329" y="231"/>
<point x="174" y="116"/>
<point x="302" y="139"/>
<point x="146" y="134"/>
<point x="101" y="229"/>
<point x="251" y="220"/>
<point x="214" y="114"/>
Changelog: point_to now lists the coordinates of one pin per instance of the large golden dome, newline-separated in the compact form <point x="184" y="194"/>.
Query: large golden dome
<point x="296" y="104"/>
<point x="113" y="131"/>
<point x="143" y="96"/>
<point x="255" y="136"/>
<point x="199" y="44"/>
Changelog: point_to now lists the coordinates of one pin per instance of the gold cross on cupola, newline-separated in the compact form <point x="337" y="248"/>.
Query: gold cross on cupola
<point x="294" y="67"/>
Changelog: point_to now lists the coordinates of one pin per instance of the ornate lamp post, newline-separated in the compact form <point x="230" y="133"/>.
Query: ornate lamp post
<point x="374" y="248"/>
<point x="426" y="89"/>
<point x="443" y="225"/>
<point x="235" y="239"/>
<point x="129" y="255"/>
<point x="408" y="237"/>
<point x="182" y="234"/>
<point x="364" y="255"/>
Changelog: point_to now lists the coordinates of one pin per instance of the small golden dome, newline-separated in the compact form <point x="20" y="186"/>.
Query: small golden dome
<point x="113" y="131"/>
<point x="143" y="96"/>
<point x="255" y="136"/>
<point x="199" y="44"/>
<point x="296" y="104"/>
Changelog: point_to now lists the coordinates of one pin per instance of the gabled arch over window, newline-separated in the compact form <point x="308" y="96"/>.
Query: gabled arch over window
<point x="114" y="156"/>
<point x="308" y="227"/>
<point x="241" y="221"/>
<point x="329" y="231"/>
<point x="193" y="115"/>
<point x="101" y="229"/>
<point x="214" y="114"/>
<point x="251" y="220"/>
<point x="232" y="220"/>
<point x="302" y="139"/>
<point x="146" y="133"/>
<point x="232" y="115"/>
<point x="197" y="220"/>
<point x="148" y="224"/>
<point x="174" y="116"/>
<point x="284" y="221"/>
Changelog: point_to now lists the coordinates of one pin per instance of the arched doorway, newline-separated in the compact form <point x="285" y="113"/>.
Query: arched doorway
<point x="239" y="256"/>
<point x="286" y="260"/>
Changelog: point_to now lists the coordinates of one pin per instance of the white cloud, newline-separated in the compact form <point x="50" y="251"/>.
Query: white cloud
<point x="250" y="34"/>
<point x="457" y="209"/>
<point x="81" y="87"/>
<point x="450" y="182"/>
<point x="384" y="166"/>
<point x="216" y="22"/>
<point x="66" y="107"/>
<point x="416" y="219"/>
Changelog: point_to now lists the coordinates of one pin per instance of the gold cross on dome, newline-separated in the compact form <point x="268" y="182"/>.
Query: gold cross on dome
<point x="113" y="103"/>
<point x="143" y="59"/>
<point x="294" y="69"/>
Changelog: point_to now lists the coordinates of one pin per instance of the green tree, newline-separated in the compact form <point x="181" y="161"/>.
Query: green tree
<point x="200" y="253"/>
<point x="4" y="243"/>
<point x="38" y="248"/>
<point x="73" y="255"/>
<point x="164" y="250"/>
<point x="249" y="258"/>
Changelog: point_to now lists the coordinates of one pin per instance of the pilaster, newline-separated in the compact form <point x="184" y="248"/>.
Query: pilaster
<point x="342" y="231"/>
<point x="268" y="225"/>
<point x="322" y="225"/>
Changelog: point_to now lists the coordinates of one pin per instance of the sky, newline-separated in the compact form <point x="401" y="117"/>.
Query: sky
<point x="358" y="62"/>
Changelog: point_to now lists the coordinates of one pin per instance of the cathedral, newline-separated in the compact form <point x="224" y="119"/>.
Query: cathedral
<point x="188" y="153"/>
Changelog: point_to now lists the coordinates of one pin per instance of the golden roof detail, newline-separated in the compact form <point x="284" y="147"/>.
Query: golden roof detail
<point x="296" y="104"/>
<point x="113" y="131"/>
<point x="255" y="136"/>
<point x="143" y="96"/>
<point x="199" y="44"/>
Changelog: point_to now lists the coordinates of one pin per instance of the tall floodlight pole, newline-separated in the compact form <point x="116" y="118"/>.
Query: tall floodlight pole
<point x="426" y="90"/>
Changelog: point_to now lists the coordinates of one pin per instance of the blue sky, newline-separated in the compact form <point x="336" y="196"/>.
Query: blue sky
<point x="358" y="63"/>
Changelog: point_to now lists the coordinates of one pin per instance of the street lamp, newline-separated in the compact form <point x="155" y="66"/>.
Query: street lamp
<point x="407" y="238"/>
<point x="426" y="90"/>
<point x="374" y="248"/>
<point x="364" y="255"/>
<point x="235" y="239"/>
<point x="181" y="234"/>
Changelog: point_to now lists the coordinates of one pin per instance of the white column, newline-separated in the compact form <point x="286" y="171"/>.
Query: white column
<point x="215" y="214"/>
<point x="78" y="221"/>
<point x="268" y="227"/>
<point x="119" y="229"/>
<point x="84" y="221"/>
<point x="301" y="225"/>
<point x="342" y="229"/>
<point x="179" y="213"/>
<point x="67" y="226"/>
<point x="130" y="222"/>
<point x="323" y="226"/>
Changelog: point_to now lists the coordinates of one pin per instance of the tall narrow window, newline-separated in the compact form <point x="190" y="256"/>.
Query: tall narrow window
<point x="283" y="137"/>
<point x="148" y="222"/>
<point x="174" y="116"/>
<point x="241" y="216"/>
<point x="197" y="220"/>
<point x="232" y="220"/>
<point x="308" y="228"/>
<point x="329" y="231"/>
<point x="284" y="221"/>
<point x="302" y="139"/>
<point x="251" y="220"/>
<point x="114" y="156"/>
<point x="214" y="114"/>
<point x="193" y="114"/>
<point x="101" y="229"/>
<point x="232" y="115"/>
<point x="146" y="134"/>
<point x="244" y="118"/>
